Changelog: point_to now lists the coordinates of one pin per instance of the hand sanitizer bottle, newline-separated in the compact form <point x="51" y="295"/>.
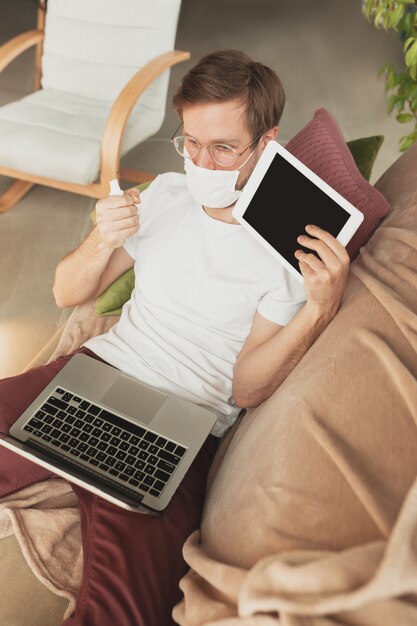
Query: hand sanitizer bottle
<point x="115" y="188"/>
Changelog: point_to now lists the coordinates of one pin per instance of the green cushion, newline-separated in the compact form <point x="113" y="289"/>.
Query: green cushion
<point x="110" y="302"/>
<point x="364" y="152"/>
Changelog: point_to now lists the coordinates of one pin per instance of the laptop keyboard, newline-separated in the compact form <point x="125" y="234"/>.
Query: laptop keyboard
<point x="121" y="450"/>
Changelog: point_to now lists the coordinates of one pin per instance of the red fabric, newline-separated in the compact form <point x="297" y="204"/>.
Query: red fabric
<point x="132" y="562"/>
<point x="321" y="147"/>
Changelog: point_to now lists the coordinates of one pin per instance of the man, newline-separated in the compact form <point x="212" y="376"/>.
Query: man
<point x="213" y="318"/>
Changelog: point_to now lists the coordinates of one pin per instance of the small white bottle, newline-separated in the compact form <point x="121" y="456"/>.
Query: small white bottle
<point x="115" y="188"/>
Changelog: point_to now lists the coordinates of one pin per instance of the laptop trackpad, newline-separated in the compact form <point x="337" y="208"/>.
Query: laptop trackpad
<point x="134" y="399"/>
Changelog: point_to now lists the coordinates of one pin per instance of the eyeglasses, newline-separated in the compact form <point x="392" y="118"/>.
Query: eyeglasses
<point x="221" y="153"/>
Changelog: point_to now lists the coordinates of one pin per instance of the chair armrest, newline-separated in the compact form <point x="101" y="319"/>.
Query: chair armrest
<point x="123" y="105"/>
<point x="13" y="48"/>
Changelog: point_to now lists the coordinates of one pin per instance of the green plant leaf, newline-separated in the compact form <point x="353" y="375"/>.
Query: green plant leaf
<point x="401" y="87"/>
<point x="367" y="8"/>
<point x="386" y="68"/>
<point x="404" y="145"/>
<point x="396" y="16"/>
<point x="411" y="54"/>
<point x="390" y="81"/>
<point x="391" y="103"/>
<point x="378" y="16"/>
<point x="404" y="117"/>
<point x="400" y="80"/>
<point x="385" y="21"/>
<point x="404" y="25"/>
<point x="399" y="105"/>
<point x="408" y="42"/>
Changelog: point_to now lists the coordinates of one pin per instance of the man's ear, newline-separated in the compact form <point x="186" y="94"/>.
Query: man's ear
<point x="268" y="136"/>
<point x="271" y="133"/>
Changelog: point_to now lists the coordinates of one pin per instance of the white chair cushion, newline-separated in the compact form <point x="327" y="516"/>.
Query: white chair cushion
<point x="59" y="135"/>
<point x="93" y="48"/>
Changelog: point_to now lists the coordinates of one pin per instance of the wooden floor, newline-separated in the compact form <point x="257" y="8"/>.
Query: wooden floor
<point x="326" y="54"/>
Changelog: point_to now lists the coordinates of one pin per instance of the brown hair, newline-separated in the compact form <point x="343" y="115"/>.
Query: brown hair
<point x="228" y="75"/>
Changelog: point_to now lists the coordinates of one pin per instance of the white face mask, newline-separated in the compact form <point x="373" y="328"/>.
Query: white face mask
<point x="211" y="188"/>
<point x="215" y="189"/>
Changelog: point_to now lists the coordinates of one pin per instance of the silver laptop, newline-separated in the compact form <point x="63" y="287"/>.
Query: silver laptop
<point x="107" y="432"/>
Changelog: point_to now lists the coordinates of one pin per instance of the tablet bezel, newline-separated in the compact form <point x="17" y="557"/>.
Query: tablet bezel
<point x="255" y="179"/>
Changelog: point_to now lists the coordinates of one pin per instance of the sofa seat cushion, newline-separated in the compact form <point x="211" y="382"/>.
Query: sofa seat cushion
<point x="58" y="135"/>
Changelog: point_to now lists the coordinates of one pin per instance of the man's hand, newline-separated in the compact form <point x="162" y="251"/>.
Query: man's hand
<point x="271" y="351"/>
<point x="324" y="277"/>
<point x="117" y="218"/>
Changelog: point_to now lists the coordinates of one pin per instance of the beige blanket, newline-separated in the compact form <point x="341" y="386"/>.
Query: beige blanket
<point x="312" y="516"/>
<point x="368" y="585"/>
<point x="45" y="519"/>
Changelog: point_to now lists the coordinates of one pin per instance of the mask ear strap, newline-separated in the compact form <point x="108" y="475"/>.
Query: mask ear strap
<point x="253" y="151"/>
<point x="244" y="162"/>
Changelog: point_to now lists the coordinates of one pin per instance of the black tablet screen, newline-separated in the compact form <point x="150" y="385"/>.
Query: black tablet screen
<point x="285" y="203"/>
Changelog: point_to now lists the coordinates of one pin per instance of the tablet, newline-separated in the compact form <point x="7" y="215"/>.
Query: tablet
<point x="283" y="196"/>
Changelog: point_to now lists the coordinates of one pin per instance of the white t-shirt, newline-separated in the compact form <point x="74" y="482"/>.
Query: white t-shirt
<point x="198" y="285"/>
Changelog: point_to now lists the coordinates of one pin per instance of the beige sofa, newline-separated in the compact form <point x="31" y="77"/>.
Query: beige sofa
<point x="311" y="518"/>
<point x="302" y="515"/>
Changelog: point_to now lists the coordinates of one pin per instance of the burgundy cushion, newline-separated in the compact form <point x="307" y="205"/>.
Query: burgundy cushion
<point x="320" y="145"/>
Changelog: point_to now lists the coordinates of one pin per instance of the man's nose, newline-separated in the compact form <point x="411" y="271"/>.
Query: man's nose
<point x="204" y="159"/>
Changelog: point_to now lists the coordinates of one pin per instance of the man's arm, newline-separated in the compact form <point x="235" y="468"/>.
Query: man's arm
<point x="100" y="258"/>
<point x="272" y="351"/>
